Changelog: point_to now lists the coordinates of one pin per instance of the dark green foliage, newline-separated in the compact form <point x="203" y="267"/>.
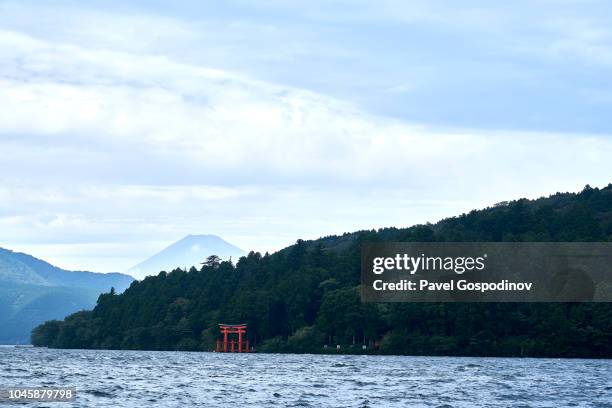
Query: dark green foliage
<point x="306" y="296"/>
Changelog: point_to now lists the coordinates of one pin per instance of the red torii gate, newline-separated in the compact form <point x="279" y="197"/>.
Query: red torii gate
<point x="227" y="329"/>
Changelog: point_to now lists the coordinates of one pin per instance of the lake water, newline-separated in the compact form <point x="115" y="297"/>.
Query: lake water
<point x="181" y="379"/>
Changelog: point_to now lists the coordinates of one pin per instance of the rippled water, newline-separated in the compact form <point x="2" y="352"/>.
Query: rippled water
<point x="181" y="379"/>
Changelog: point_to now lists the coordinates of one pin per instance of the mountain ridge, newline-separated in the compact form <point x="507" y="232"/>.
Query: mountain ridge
<point x="33" y="291"/>
<point x="306" y="296"/>
<point x="51" y="275"/>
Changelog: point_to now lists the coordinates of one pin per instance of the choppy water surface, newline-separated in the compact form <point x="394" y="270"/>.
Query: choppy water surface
<point x="179" y="379"/>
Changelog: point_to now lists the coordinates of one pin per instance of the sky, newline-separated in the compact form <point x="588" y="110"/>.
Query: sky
<point x="126" y="125"/>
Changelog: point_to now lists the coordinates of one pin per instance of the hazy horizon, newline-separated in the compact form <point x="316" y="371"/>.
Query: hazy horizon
<point x="125" y="126"/>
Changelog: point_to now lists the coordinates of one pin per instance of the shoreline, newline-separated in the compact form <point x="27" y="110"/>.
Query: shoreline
<point x="324" y="354"/>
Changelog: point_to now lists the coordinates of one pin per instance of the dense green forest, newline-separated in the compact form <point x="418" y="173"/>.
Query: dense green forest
<point x="306" y="296"/>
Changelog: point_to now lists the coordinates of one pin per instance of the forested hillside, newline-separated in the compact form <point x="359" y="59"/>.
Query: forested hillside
<point x="306" y="296"/>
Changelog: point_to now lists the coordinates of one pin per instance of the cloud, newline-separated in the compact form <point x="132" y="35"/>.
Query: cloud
<point x="111" y="147"/>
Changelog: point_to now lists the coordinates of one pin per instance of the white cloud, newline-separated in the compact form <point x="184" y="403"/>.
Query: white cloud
<point x="108" y="152"/>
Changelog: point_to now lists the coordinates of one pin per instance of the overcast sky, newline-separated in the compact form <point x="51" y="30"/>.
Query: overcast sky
<point x="125" y="125"/>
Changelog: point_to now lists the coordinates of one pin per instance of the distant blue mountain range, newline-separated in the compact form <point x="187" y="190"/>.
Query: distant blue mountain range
<point x="33" y="291"/>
